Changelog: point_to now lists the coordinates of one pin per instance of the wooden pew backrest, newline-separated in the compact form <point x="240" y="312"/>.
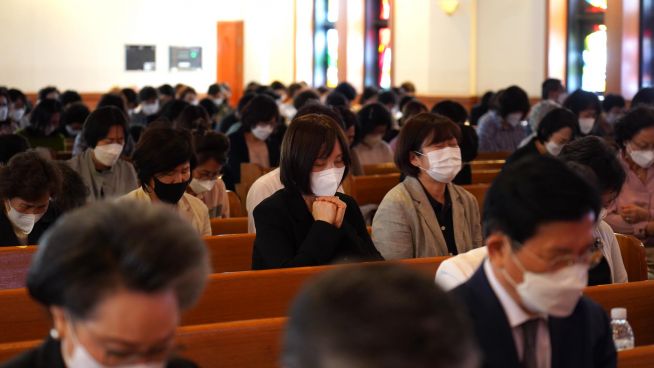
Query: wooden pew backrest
<point x="380" y="169"/>
<point x="633" y="257"/>
<point x="235" y="205"/>
<point x="484" y="176"/>
<point x="230" y="253"/>
<point x="639" y="357"/>
<point x="637" y="297"/>
<point x="372" y="189"/>
<point x="14" y="262"/>
<point x="479" y="191"/>
<point x="232" y="225"/>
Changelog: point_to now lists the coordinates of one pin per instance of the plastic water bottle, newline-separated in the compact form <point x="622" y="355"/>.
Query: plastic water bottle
<point x="623" y="335"/>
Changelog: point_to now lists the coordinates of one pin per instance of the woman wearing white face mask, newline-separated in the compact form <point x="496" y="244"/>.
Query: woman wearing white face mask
<point x="307" y="223"/>
<point x="7" y="125"/>
<point x="554" y="131"/>
<point x="27" y="184"/>
<point x="426" y="215"/>
<point x="369" y="147"/>
<point x="43" y="127"/>
<point x="141" y="285"/>
<point x="500" y="129"/>
<point x="210" y="155"/>
<point x="100" y="166"/>
<point x="253" y="142"/>
<point x="633" y="210"/>
<point x="586" y="106"/>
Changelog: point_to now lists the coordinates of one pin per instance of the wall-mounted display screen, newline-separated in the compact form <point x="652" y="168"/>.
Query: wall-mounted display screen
<point x="140" y="57"/>
<point x="185" y="58"/>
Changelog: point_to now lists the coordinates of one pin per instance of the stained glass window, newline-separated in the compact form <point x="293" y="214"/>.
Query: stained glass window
<point x="378" y="56"/>
<point x="325" y="43"/>
<point x="587" y="45"/>
<point x="647" y="44"/>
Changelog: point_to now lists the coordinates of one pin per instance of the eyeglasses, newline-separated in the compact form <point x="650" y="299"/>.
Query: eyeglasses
<point x="591" y="257"/>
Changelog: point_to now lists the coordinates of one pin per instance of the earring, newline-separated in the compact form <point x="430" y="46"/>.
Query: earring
<point x="54" y="333"/>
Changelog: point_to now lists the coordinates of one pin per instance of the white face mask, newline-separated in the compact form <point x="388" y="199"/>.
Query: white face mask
<point x="514" y="119"/>
<point x="108" y="154"/>
<point x="642" y="158"/>
<point x="218" y="101"/>
<point x="81" y="358"/>
<point x="444" y="164"/>
<point x="150" y="108"/>
<point x="23" y="221"/>
<point x="325" y="183"/>
<point x="373" y="139"/>
<point x="17" y="114"/>
<point x="553" y="148"/>
<point x="262" y="132"/>
<point x="202" y="186"/>
<point x="586" y="124"/>
<point x="4" y="113"/>
<point x="552" y="293"/>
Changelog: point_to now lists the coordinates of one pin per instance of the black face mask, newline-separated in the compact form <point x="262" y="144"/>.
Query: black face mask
<point x="170" y="193"/>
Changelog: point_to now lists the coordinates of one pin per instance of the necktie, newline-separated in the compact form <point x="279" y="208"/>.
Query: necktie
<point x="529" y="333"/>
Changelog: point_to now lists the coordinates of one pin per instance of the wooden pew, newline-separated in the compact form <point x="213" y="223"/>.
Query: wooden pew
<point x="249" y="174"/>
<point x="228" y="297"/>
<point x="639" y="357"/>
<point x="493" y="155"/>
<point x="637" y="297"/>
<point x="380" y="169"/>
<point x="372" y="189"/>
<point x="235" y="205"/>
<point x="479" y="191"/>
<point x="484" y="176"/>
<point x="232" y="225"/>
<point x="230" y="253"/>
<point x="633" y="257"/>
<point x="486" y="164"/>
<point x="14" y="262"/>
<point x="255" y="343"/>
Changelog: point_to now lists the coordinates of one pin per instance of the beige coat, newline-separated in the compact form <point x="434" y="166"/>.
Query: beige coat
<point x="405" y="225"/>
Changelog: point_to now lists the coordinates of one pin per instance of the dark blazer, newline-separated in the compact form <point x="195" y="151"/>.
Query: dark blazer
<point x="48" y="355"/>
<point x="288" y="236"/>
<point x="582" y="340"/>
<point x="469" y="147"/>
<point x="528" y="150"/>
<point x="238" y="153"/>
<point x="8" y="237"/>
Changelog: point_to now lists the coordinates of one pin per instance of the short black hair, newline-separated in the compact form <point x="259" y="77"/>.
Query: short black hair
<point x="372" y="116"/>
<point x="69" y="97"/>
<point x="348" y="117"/>
<point x="161" y="150"/>
<point x="336" y="98"/>
<point x="213" y="90"/>
<point x="113" y="99"/>
<point x="581" y="100"/>
<point x="554" y="121"/>
<point x="632" y="122"/>
<point x="347" y="90"/>
<point x="277" y="85"/>
<point x="405" y="100"/>
<point x="130" y="96"/>
<point x="92" y="252"/>
<point x="322" y="110"/>
<point x="194" y="119"/>
<point x="383" y="316"/>
<point x="15" y="95"/>
<point x="41" y="116"/>
<point x="611" y="101"/>
<point x="261" y="108"/>
<point x="166" y="90"/>
<point x="100" y="121"/>
<point x="308" y="138"/>
<point x="421" y="130"/>
<point x="185" y="91"/>
<point x="387" y="97"/>
<point x="172" y="109"/>
<point x="411" y="109"/>
<point x="10" y="145"/>
<point x="45" y="91"/>
<point x="147" y="93"/>
<point x="512" y="99"/>
<point x="73" y="190"/>
<point x="408" y="87"/>
<point x="453" y="110"/>
<point x="209" y="106"/>
<point x="305" y="97"/>
<point x="211" y="145"/>
<point x="645" y="96"/>
<point x="77" y="112"/>
<point x="243" y="101"/>
<point x="535" y="191"/>
<point x="367" y="94"/>
<point x="29" y="176"/>
<point x="595" y="153"/>
<point x="550" y="85"/>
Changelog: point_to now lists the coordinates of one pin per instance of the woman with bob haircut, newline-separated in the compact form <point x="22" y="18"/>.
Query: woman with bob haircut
<point x="115" y="298"/>
<point x="164" y="160"/>
<point x="307" y="223"/>
<point x="426" y="215"/>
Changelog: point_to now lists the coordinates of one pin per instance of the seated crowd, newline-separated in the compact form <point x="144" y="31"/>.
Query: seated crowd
<point x="117" y="199"/>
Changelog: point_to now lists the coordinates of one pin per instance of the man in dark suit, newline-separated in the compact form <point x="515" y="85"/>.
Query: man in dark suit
<point x="525" y="300"/>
